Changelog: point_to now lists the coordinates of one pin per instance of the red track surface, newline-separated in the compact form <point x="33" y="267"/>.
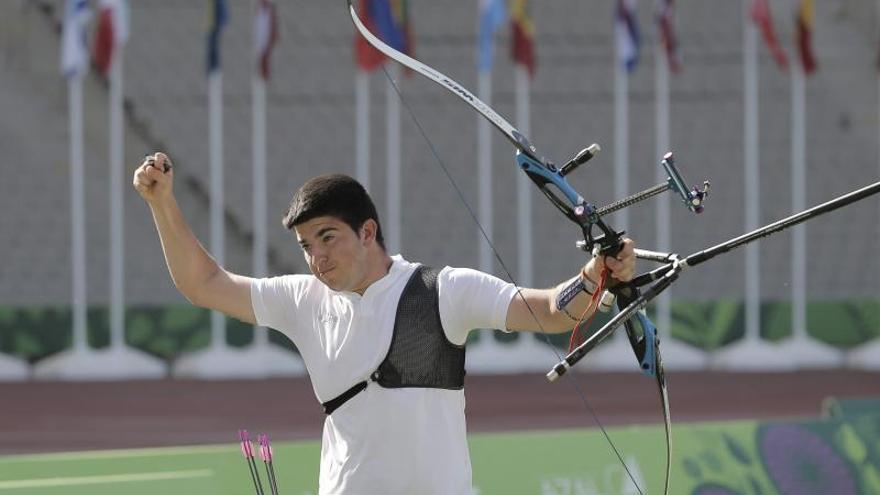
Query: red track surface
<point x="45" y="417"/>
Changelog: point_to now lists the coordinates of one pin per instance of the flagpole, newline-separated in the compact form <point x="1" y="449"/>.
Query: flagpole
<point x="679" y="355"/>
<point x="484" y="175"/>
<point x="808" y="352"/>
<point x="68" y="364"/>
<point x="119" y="361"/>
<point x="78" y="214"/>
<point x="751" y="153"/>
<point x="621" y="136"/>
<point x="607" y="356"/>
<point x="484" y="355"/>
<point x="117" y="214"/>
<point x="362" y="127"/>
<point x="218" y="231"/>
<point x="262" y="359"/>
<point x="662" y="213"/>
<point x="798" y="203"/>
<point x="393" y="181"/>
<point x="523" y="188"/>
<point x="260" y="247"/>
<point x="751" y="352"/>
<point x="72" y="363"/>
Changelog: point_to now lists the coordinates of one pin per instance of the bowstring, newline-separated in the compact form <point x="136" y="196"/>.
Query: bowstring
<point x="510" y="276"/>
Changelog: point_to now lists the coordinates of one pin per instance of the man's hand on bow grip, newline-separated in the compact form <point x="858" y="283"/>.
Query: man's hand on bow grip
<point x="622" y="265"/>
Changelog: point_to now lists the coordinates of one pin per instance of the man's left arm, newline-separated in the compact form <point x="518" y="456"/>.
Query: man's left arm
<point x="533" y="310"/>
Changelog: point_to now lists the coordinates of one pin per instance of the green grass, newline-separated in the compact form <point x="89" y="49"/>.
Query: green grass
<point x="709" y="456"/>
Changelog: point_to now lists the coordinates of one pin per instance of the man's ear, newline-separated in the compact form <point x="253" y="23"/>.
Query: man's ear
<point x="368" y="231"/>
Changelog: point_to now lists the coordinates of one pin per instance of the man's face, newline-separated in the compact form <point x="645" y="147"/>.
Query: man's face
<point x="335" y="253"/>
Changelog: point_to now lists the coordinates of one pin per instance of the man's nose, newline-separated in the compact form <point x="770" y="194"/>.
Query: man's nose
<point x="319" y="255"/>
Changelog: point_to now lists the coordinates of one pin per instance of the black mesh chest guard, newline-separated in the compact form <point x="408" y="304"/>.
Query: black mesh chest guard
<point x="420" y="355"/>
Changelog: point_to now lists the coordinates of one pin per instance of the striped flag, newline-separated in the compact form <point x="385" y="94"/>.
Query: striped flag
<point x="493" y="15"/>
<point x="626" y="30"/>
<point x="666" y="27"/>
<point x="218" y="16"/>
<point x="265" y="34"/>
<point x="74" y="49"/>
<point x="113" y="27"/>
<point x="367" y="57"/>
<point x="760" y="13"/>
<point x="805" y="17"/>
<point x="523" y="34"/>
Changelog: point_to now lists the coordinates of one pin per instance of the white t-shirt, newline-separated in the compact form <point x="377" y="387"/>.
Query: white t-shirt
<point x="383" y="441"/>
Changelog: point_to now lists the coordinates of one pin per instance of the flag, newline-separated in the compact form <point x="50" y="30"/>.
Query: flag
<point x="493" y="15"/>
<point x="805" y="17"/>
<point x="666" y="26"/>
<point x="627" y="32"/>
<point x="389" y="20"/>
<point x="523" y="34"/>
<point x="217" y="18"/>
<point x="74" y="50"/>
<point x="265" y="34"/>
<point x="367" y="57"/>
<point x="760" y="14"/>
<point x="112" y="32"/>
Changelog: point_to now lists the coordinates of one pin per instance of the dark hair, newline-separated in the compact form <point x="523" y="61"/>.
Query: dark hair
<point x="335" y="195"/>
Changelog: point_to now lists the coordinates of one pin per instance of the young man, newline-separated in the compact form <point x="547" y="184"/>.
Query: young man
<point x="382" y="338"/>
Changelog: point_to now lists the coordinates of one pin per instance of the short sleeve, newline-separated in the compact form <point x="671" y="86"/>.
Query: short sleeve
<point x="470" y="299"/>
<point x="275" y="300"/>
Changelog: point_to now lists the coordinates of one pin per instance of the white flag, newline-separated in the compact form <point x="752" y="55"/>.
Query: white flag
<point x="74" y="50"/>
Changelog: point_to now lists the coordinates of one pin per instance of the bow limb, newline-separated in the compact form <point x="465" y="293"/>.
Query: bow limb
<point x="539" y="171"/>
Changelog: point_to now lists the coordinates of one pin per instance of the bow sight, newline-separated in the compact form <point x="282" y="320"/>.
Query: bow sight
<point x="545" y="174"/>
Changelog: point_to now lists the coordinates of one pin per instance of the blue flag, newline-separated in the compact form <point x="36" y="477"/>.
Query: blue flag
<point x="626" y="29"/>
<point x="388" y="29"/>
<point x="218" y="16"/>
<point x="493" y="15"/>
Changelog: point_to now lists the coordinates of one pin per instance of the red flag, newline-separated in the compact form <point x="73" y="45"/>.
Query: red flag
<point x="665" y="24"/>
<point x="112" y="32"/>
<point x="367" y="57"/>
<point x="805" y="36"/>
<point x="102" y="51"/>
<point x="761" y="16"/>
<point x="523" y="33"/>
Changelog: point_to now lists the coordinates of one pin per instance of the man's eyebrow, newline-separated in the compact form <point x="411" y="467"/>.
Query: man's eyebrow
<point x="303" y="242"/>
<point x="325" y="230"/>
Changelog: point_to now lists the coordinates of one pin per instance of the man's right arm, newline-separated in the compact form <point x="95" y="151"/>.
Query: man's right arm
<point x="195" y="273"/>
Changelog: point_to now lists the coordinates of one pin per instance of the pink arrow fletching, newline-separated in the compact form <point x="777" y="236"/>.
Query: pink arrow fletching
<point x="242" y="436"/>
<point x="246" y="448"/>
<point x="262" y="449"/>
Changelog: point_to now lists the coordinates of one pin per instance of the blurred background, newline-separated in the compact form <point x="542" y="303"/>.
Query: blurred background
<point x="774" y="101"/>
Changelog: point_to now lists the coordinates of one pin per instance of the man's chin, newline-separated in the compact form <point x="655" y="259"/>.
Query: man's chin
<point x="331" y="284"/>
